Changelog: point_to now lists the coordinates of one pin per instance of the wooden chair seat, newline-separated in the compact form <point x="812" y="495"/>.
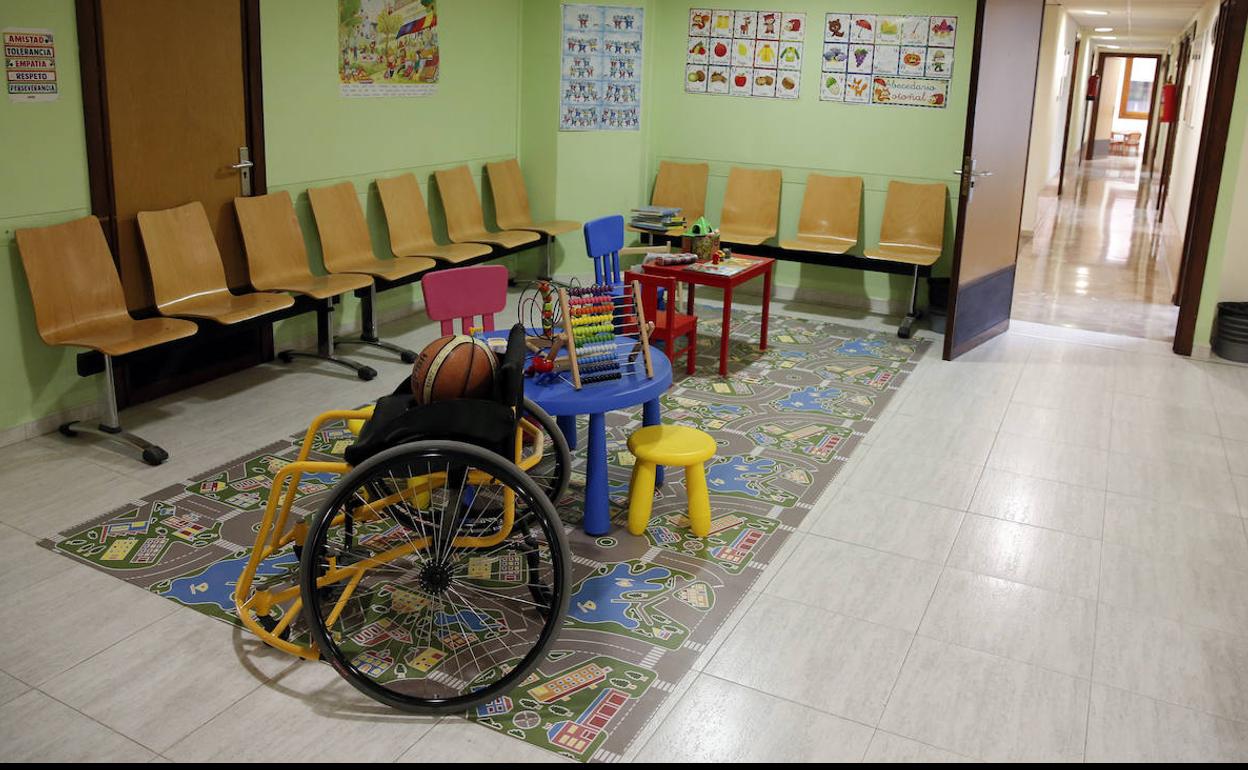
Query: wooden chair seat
<point x="188" y="276"/>
<point x="511" y="201"/>
<point x="744" y="236"/>
<point x="389" y="269"/>
<point x="227" y="308"/>
<point x="824" y="244"/>
<point x="553" y="227"/>
<point x="324" y="286"/>
<point x="119" y="336"/>
<point x="465" y="220"/>
<point x="411" y="232"/>
<point x="922" y="256"/>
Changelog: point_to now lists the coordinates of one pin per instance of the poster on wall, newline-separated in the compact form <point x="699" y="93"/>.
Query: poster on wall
<point x="30" y="64"/>
<point x="387" y="47"/>
<point x="600" y="78"/>
<point x="745" y="53"/>
<point x="880" y="59"/>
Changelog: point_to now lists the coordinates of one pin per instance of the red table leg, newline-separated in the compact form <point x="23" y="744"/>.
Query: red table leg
<point x="689" y="305"/>
<point x="762" y="342"/>
<point x="723" y="333"/>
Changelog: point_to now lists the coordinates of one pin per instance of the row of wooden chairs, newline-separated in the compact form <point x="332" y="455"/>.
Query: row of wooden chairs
<point x="912" y="232"/>
<point x="79" y="300"/>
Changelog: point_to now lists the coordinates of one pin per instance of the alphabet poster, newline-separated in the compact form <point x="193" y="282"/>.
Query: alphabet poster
<point x="30" y="64"/>
<point x="745" y="53"/>
<point x="600" y="78"/>
<point x="897" y="60"/>
<point x="387" y="47"/>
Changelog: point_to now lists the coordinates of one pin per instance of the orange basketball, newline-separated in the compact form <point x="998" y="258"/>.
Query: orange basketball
<point x="453" y="367"/>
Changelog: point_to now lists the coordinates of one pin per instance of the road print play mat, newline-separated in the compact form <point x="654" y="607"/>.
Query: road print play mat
<point x="643" y="608"/>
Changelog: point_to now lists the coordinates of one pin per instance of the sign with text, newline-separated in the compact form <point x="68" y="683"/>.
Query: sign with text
<point x="30" y="64"/>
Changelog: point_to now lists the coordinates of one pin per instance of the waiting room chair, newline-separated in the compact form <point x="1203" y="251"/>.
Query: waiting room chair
<point x="465" y="221"/>
<point x="751" y="211"/>
<point x="511" y="206"/>
<point x="347" y="248"/>
<point x="465" y="293"/>
<point x="79" y="302"/>
<point x="682" y="186"/>
<point x="912" y="233"/>
<point x="411" y="233"/>
<point x="831" y="209"/>
<point x="188" y="276"/>
<point x="669" y="325"/>
<point x="278" y="261"/>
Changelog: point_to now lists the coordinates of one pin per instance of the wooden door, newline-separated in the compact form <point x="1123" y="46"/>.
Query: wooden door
<point x="176" y="118"/>
<point x="994" y="171"/>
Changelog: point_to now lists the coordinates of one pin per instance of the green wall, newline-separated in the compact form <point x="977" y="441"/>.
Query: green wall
<point x="877" y="143"/>
<point x="43" y="165"/>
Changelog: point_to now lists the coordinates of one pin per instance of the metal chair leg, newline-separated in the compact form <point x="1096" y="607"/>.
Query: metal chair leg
<point x="912" y="317"/>
<point x="325" y="345"/>
<point x="110" y="428"/>
<point x="369" y="336"/>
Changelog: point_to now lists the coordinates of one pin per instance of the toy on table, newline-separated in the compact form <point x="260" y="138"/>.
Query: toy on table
<point x="591" y="316"/>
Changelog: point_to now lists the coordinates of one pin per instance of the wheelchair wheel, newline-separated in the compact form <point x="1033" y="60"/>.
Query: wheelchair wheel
<point x="432" y="620"/>
<point x="553" y="472"/>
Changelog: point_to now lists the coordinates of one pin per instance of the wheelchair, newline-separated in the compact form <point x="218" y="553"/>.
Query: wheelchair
<point x="435" y="575"/>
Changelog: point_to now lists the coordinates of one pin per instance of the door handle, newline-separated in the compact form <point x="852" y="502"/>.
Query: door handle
<point x="244" y="164"/>
<point x="959" y="172"/>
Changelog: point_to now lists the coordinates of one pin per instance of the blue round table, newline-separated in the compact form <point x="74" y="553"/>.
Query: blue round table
<point x="555" y="394"/>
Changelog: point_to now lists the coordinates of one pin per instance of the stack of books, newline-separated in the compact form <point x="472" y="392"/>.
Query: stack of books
<point x="656" y="218"/>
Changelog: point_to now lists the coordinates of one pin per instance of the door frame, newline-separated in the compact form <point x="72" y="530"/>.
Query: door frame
<point x="1101" y="56"/>
<point x="95" y="108"/>
<point x="1228" y="47"/>
<point x="1181" y="63"/>
<point x="1070" y="114"/>
<point x="950" y="351"/>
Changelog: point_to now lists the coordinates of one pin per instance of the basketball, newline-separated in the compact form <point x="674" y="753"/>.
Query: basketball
<point x="456" y="366"/>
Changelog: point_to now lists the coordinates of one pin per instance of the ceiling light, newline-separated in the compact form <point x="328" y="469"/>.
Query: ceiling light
<point x="1095" y="13"/>
<point x="1104" y="29"/>
<point x="1115" y="47"/>
<point x="1105" y="37"/>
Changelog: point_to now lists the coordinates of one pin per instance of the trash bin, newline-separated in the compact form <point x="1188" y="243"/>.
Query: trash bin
<point x="1230" y="331"/>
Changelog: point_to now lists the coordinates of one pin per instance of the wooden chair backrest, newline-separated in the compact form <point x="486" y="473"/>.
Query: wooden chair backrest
<point x="682" y="185"/>
<point x="914" y="215"/>
<point x="345" y="243"/>
<point x="464" y="217"/>
<point x="407" y="218"/>
<point x="752" y="200"/>
<point x="273" y="240"/>
<point x="511" y="199"/>
<point x="831" y="206"/>
<point x="73" y="279"/>
<point x="182" y="253"/>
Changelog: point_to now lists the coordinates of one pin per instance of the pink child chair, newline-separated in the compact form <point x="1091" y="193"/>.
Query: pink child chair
<point x="465" y="292"/>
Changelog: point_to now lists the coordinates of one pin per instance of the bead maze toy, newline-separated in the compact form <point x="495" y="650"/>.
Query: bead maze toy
<point x="586" y="321"/>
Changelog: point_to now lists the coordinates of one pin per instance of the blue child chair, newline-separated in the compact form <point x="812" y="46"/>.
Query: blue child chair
<point x="604" y="239"/>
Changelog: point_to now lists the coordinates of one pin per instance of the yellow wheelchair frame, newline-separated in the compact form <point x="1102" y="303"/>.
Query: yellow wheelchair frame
<point x="274" y="534"/>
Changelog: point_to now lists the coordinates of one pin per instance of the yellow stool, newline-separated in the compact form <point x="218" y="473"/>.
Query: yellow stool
<point x="670" y="445"/>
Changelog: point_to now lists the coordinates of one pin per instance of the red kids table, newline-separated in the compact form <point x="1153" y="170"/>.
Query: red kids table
<point x="693" y="276"/>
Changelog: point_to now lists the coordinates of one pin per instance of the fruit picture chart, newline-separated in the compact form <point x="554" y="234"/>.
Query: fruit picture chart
<point x="600" y="76"/>
<point x="877" y="59"/>
<point x="745" y="53"/>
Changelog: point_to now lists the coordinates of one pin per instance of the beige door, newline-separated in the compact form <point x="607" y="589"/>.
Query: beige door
<point x="176" y="117"/>
<point x="994" y="170"/>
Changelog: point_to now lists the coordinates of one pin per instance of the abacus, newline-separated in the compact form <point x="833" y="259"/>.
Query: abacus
<point x="593" y="317"/>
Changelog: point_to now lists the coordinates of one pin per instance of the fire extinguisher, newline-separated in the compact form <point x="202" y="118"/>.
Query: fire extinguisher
<point x="1169" y="92"/>
<point x="1094" y="86"/>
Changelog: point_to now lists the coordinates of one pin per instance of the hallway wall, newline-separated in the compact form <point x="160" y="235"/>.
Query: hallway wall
<point x="1048" y="126"/>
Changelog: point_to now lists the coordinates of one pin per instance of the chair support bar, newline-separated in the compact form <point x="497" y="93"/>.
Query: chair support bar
<point x="369" y="336"/>
<point x="109" y="426"/>
<point x="325" y="345"/>
<point x="915" y="314"/>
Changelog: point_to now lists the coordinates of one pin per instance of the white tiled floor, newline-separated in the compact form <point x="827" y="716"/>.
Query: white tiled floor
<point x="1039" y="553"/>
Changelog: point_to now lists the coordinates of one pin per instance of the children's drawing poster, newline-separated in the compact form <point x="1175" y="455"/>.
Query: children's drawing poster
<point x="387" y="47"/>
<point x="745" y="53"/>
<point x="881" y="59"/>
<point x="600" y="80"/>
<point x="30" y="64"/>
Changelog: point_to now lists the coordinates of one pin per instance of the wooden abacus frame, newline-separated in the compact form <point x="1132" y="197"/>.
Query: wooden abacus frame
<point x="643" y="333"/>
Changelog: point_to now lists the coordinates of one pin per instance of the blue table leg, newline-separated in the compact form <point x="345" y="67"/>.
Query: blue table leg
<point x="597" y="506"/>
<point x="650" y="416"/>
<point x="567" y="424"/>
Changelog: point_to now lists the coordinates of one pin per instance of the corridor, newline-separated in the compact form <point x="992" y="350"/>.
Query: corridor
<point x="1099" y="259"/>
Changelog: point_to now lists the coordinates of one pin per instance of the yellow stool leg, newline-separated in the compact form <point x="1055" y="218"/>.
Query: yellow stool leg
<point x="699" y="500"/>
<point x="640" y="497"/>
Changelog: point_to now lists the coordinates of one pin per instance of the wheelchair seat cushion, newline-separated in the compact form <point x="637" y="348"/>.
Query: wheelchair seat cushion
<point x="399" y="419"/>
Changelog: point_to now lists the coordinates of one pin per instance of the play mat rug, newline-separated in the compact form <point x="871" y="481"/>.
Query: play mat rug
<point x="643" y="608"/>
